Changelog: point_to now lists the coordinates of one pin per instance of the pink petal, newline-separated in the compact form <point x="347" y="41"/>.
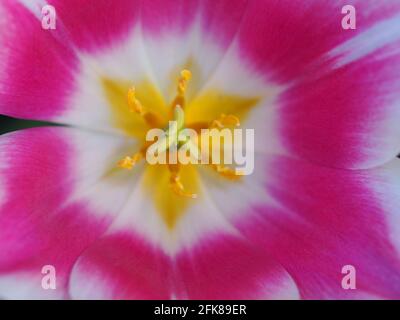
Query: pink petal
<point x="35" y="70"/>
<point x="121" y="266"/>
<point x="288" y="39"/>
<point x="220" y="19"/>
<point x="327" y="219"/>
<point x="96" y="24"/>
<point x="227" y="267"/>
<point x="39" y="68"/>
<point x="348" y="117"/>
<point x="124" y="266"/>
<point x="48" y="214"/>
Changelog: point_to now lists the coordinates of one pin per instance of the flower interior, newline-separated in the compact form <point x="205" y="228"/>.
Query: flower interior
<point x="137" y="109"/>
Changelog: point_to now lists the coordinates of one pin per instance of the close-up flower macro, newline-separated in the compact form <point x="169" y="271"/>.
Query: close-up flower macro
<point x="313" y="85"/>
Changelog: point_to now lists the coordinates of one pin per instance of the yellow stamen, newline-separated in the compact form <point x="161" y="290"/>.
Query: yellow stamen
<point x="186" y="75"/>
<point x="221" y="122"/>
<point x="154" y="120"/>
<point x="134" y="104"/>
<point x="129" y="162"/>
<point x="151" y="118"/>
<point x="176" y="185"/>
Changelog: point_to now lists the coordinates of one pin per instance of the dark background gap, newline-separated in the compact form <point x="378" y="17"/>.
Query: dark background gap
<point x="8" y="124"/>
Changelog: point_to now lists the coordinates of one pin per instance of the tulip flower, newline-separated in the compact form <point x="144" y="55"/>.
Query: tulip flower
<point x="79" y="195"/>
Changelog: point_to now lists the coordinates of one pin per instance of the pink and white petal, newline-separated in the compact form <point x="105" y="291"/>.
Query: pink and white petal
<point x="130" y="261"/>
<point x="124" y="64"/>
<point x="156" y="262"/>
<point x="296" y="36"/>
<point x="91" y="25"/>
<point x="338" y="94"/>
<point x="342" y="115"/>
<point x="141" y="216"/>
<point x="125" y="266"/>
<point x="193" y="34"/>
<point x="346" y="118"/>
<point x="122" y="266"/>
<point x="57" y="197"/>
<point x="323" y="219"/>
<point x="229" y="267"/>
<point x="36" y="71"/>
<point x="44" y="75"/>
<point x="94" y="25"/>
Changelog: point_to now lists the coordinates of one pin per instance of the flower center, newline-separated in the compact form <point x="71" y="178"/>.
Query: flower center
<point x="175" y="127"/>
<point x="171" y="186"/>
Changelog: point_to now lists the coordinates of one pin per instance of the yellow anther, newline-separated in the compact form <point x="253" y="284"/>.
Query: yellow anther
<point x="134" y="104"/>
<point x="175" y="183"/>
<point x="151" y="118"/>
<point x="178" y="188"/>
<point x="129" y="162"/>
<point x="227" y="172"/>
<point x="184" y="78"/>
<point x="186" y="75"/>
<point x="224" y="121"/>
